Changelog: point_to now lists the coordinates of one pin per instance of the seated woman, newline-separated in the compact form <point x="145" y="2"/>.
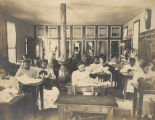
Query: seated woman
<point x="9" y="86"/>
<point x="25" y="57"/>
<point x="50" y="90"/>
<point x="146" y="80"/>
<point x="26" y="70"/>
<point x="96" y="68"/>
<point x="36" y="63"/>
<point x="81" y="77"/>
<point x="102" y="61"/>
<point x="45" y="73"/>
<point x="130" y="67"/>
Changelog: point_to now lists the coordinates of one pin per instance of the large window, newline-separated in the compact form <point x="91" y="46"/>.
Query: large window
<point x="11" y="39"/>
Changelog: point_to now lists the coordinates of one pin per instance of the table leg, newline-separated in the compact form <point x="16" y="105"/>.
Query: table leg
<point x="61" y="112"/>
<point x="35" y="97"/>
<point x="41" y="96"/>
<point x="153" y="116"/>
<point x="134" y="101"/>
<point x="7" y="113"/>
<point x="76" y="116"/>
<point x="125" y="87"/>
<point x="140" y="104"/>
<point x="110" y="114"/>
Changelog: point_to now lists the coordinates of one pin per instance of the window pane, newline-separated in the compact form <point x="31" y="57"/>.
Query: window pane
<point x="12" y="55"/>
<point x="90" y="48"/>
<point x="135" y="35"/>
<point x="115" y="49"/>
<point x="11" y="38"/>
<point x="103" y="49"/>
<point x="11" y="34"/>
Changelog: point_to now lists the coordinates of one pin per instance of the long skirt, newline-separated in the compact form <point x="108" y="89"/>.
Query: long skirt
<point x="49" y="98"/>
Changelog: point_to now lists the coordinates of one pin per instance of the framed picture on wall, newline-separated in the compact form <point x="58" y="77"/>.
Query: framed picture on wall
<point x="68" y="31"/>
<point x="90" y="31"/>
<point x="115" y="31"/>
<point x="77" y="31"/>
<point x="102" y="31"/>
<point x="40" y="31"/>
<point x="52" y="31"/>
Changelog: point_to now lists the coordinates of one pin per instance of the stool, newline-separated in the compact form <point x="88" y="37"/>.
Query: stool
<point x="91" y="116"/>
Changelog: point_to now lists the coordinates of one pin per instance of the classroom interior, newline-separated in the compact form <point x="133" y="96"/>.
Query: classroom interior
<point x="77" y="60"/>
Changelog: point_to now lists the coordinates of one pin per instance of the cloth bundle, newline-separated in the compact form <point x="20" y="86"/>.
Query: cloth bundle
<point x="146" y="84"/>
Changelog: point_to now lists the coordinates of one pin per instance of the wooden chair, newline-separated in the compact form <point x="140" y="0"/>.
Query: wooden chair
<point x="83" y="89"/>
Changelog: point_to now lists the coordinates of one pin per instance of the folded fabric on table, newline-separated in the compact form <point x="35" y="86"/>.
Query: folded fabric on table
<point x="7" y="94"/>
<point x="26" y="80"/>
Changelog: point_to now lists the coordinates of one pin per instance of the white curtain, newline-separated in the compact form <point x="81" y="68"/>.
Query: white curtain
<point x="11" y="39"/>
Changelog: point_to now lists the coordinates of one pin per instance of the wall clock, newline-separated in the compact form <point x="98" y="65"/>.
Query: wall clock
<point x="147" y="18"/>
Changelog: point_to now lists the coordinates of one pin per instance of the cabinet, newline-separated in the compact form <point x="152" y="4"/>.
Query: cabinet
<point x="146" y="46"/>
<point x="30" y="47"/>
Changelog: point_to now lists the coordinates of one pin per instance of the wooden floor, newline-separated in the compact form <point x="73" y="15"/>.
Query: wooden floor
<point x="52" y="114"/>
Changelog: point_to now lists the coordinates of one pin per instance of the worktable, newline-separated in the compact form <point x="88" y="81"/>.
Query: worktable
<point x="141" y="93"/>
<point x="85" y="104"/>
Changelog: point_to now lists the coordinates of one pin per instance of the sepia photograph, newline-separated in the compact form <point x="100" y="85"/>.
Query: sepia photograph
<point x="77" y="59"/>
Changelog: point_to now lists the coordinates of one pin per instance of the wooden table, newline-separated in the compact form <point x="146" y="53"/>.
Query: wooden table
<point x="34" y="89"/>
<point x="141" y="93"/>
<point x="124" y="77"/>
<point x="85" y="104"/>
<point x="7" y="108"/>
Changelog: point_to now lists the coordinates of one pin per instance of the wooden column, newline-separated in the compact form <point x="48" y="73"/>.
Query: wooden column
<point x="63" y="32"/>
<point x="63" y="72"/>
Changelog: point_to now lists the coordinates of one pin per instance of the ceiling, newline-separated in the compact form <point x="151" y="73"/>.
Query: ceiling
<point x="85" y="12"/>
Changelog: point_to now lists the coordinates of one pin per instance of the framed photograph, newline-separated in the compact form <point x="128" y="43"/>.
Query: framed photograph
<point x="90" y="31"/>
<point x="40" y="31"/>
<point x="115" y="31"/>
<point x="90" y="47"/>
<point x="52" y="31"/>
<point x="125" y="33"/>
<point x="68" y="31"/>
<point x="102" y="31"/>
<point x="77" y="31"/>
